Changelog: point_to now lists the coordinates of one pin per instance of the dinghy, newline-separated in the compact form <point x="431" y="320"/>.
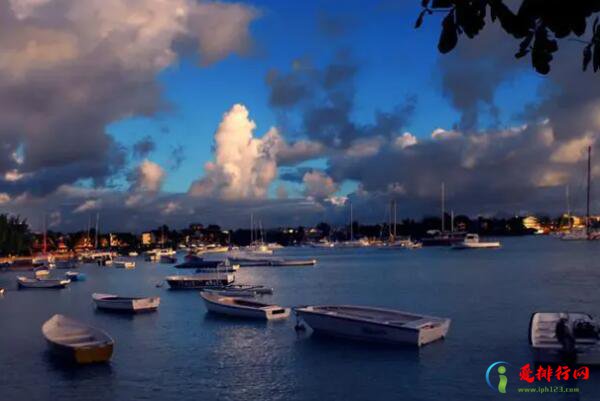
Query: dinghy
<point x="77" y="341"/>
<point x="582" y="330"/>
<point x="75" y="276"/>
<point x="124" y="264"/>
<point x="472" y="241"/>
<point x="200" y="280"/>
<point x="126" y="304"/>
<point x="26" y="282"/>
<point x="244" y="308"/>
<point x="374" y="324"/>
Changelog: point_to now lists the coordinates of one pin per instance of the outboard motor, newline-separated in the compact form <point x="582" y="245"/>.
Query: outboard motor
<point x="565" y="337"/>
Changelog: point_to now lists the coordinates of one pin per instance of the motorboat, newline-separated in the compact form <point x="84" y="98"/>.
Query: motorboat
<point x="244" y="308"/>
<point x="41" y="273"/>
<point x="75" y="276"/>
<point x="442" y="238"/>
<point x="374" y="324"/>
<point x="292" y="262"/>
<point x="240" y="290"/>
<point x="200" y="280"/>
<point x="76" y="341"/>
<point x="133" y="254"/>
<point x="472" y="241"/>
<point x="124" y="264"/>
<point x="547" y="348"/>
<point x="125" y="304"/>
<point x="26" y="282"/>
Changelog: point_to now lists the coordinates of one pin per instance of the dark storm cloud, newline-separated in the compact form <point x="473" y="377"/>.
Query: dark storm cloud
<point x="177" y="157"/>
<point x="143" y="147"/>
<point x="65" y="74"/>
<point x="324" y="100"/>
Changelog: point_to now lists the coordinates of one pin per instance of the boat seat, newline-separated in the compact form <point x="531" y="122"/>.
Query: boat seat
<point x="86" y="343"/>
<point x="74" y="338"/>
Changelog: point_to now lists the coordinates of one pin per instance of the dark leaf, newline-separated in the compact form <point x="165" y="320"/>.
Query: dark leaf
<point x="441" y="4"/>
<point x="596" y="57"/>
<point x="449" y="35"/>
<point x="419" y="21"/>
<point x="522" y="52"/>
<point x="587" y="56"/>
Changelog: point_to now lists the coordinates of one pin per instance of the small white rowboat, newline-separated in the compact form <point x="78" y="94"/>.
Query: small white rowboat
<point x="239" y="307"/>
<point x="26" y="282"/>
<point x="374" y="324"/>
<point x="77" y="341"/>
<point x="125" y="304"/>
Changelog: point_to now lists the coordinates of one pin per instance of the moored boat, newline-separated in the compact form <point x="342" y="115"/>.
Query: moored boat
<point x="77" y="341"/>
<point x="293" y="262"/>
<point x="26" y="282"/>
<point x="200" y="280"/>
<point x="75" y="276"/>
<point x="575" y="342"/>
<point x="126" y="304"/>
<point x="374" y="324"/>
<point x="472" y="241"/>
<point x="244" y="308"/>
<point x="124" y="264"/>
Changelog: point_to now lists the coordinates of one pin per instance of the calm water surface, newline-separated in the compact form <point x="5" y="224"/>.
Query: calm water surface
<point x="182" y="353"/>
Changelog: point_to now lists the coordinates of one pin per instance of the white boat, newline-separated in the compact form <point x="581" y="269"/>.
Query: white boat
<point x="199" y="280"/>
<point x="77" y="341"/>
<point x="123" y="264"/>
<point x="575" y="235"/>
<point x="26" y="282"/>
<point x="231" y="292"/>
<point x="125" y="304"/>
<point x="280" y="262"/>
<point x="155" y="255"/>
<point x="471" y="241"/>
<point x="75" y="276"/>
<point x="374" y="324"/>
<point x="238" y="307"/>
<point x="133" y="254"/>
<point x="547" y="348"/>
<point x="41" y="273"/>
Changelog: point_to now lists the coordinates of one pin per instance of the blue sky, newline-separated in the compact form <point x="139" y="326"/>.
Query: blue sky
<point x="395" y="61"/>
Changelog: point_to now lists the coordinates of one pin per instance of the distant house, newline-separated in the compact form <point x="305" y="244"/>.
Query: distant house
<point x="532" y="223"/>
<point x="148" y="238"/>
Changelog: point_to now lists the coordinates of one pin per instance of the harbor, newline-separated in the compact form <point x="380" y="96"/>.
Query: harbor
<point x="157" y="354"/>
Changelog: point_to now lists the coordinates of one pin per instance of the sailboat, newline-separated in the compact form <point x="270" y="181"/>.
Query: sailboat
<point x="443" y="237"/>
<point x="585" y="233"/>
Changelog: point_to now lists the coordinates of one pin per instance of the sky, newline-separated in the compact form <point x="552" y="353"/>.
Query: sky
<point x="152" y="112"/>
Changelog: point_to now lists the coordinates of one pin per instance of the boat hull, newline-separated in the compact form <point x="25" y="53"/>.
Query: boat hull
<point x="128" y="305"/>
<point x="269" y="313"/>
<point x="82" y="356"/>
<point x="370" y="331"/>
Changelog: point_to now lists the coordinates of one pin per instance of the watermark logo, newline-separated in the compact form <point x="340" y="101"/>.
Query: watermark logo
<point x="498" y="369"/>
<point x="552" y="378"/>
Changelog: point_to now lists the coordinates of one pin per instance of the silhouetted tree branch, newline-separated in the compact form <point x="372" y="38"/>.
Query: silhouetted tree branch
<point x="537" y="23"/>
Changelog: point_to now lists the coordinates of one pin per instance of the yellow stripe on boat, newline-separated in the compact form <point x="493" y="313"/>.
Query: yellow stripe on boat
<point x="94" y="355"/>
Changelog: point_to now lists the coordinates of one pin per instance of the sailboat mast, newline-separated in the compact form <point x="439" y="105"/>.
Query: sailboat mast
<point x="395" y="217"/>
<point x="97" y="220"/>
<point x="45" y="232"/>
<point x="443" y="206"/>
<point x="351" y="224"/>
<point x="589" y="174"/>
<point x="251" y="228"/>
